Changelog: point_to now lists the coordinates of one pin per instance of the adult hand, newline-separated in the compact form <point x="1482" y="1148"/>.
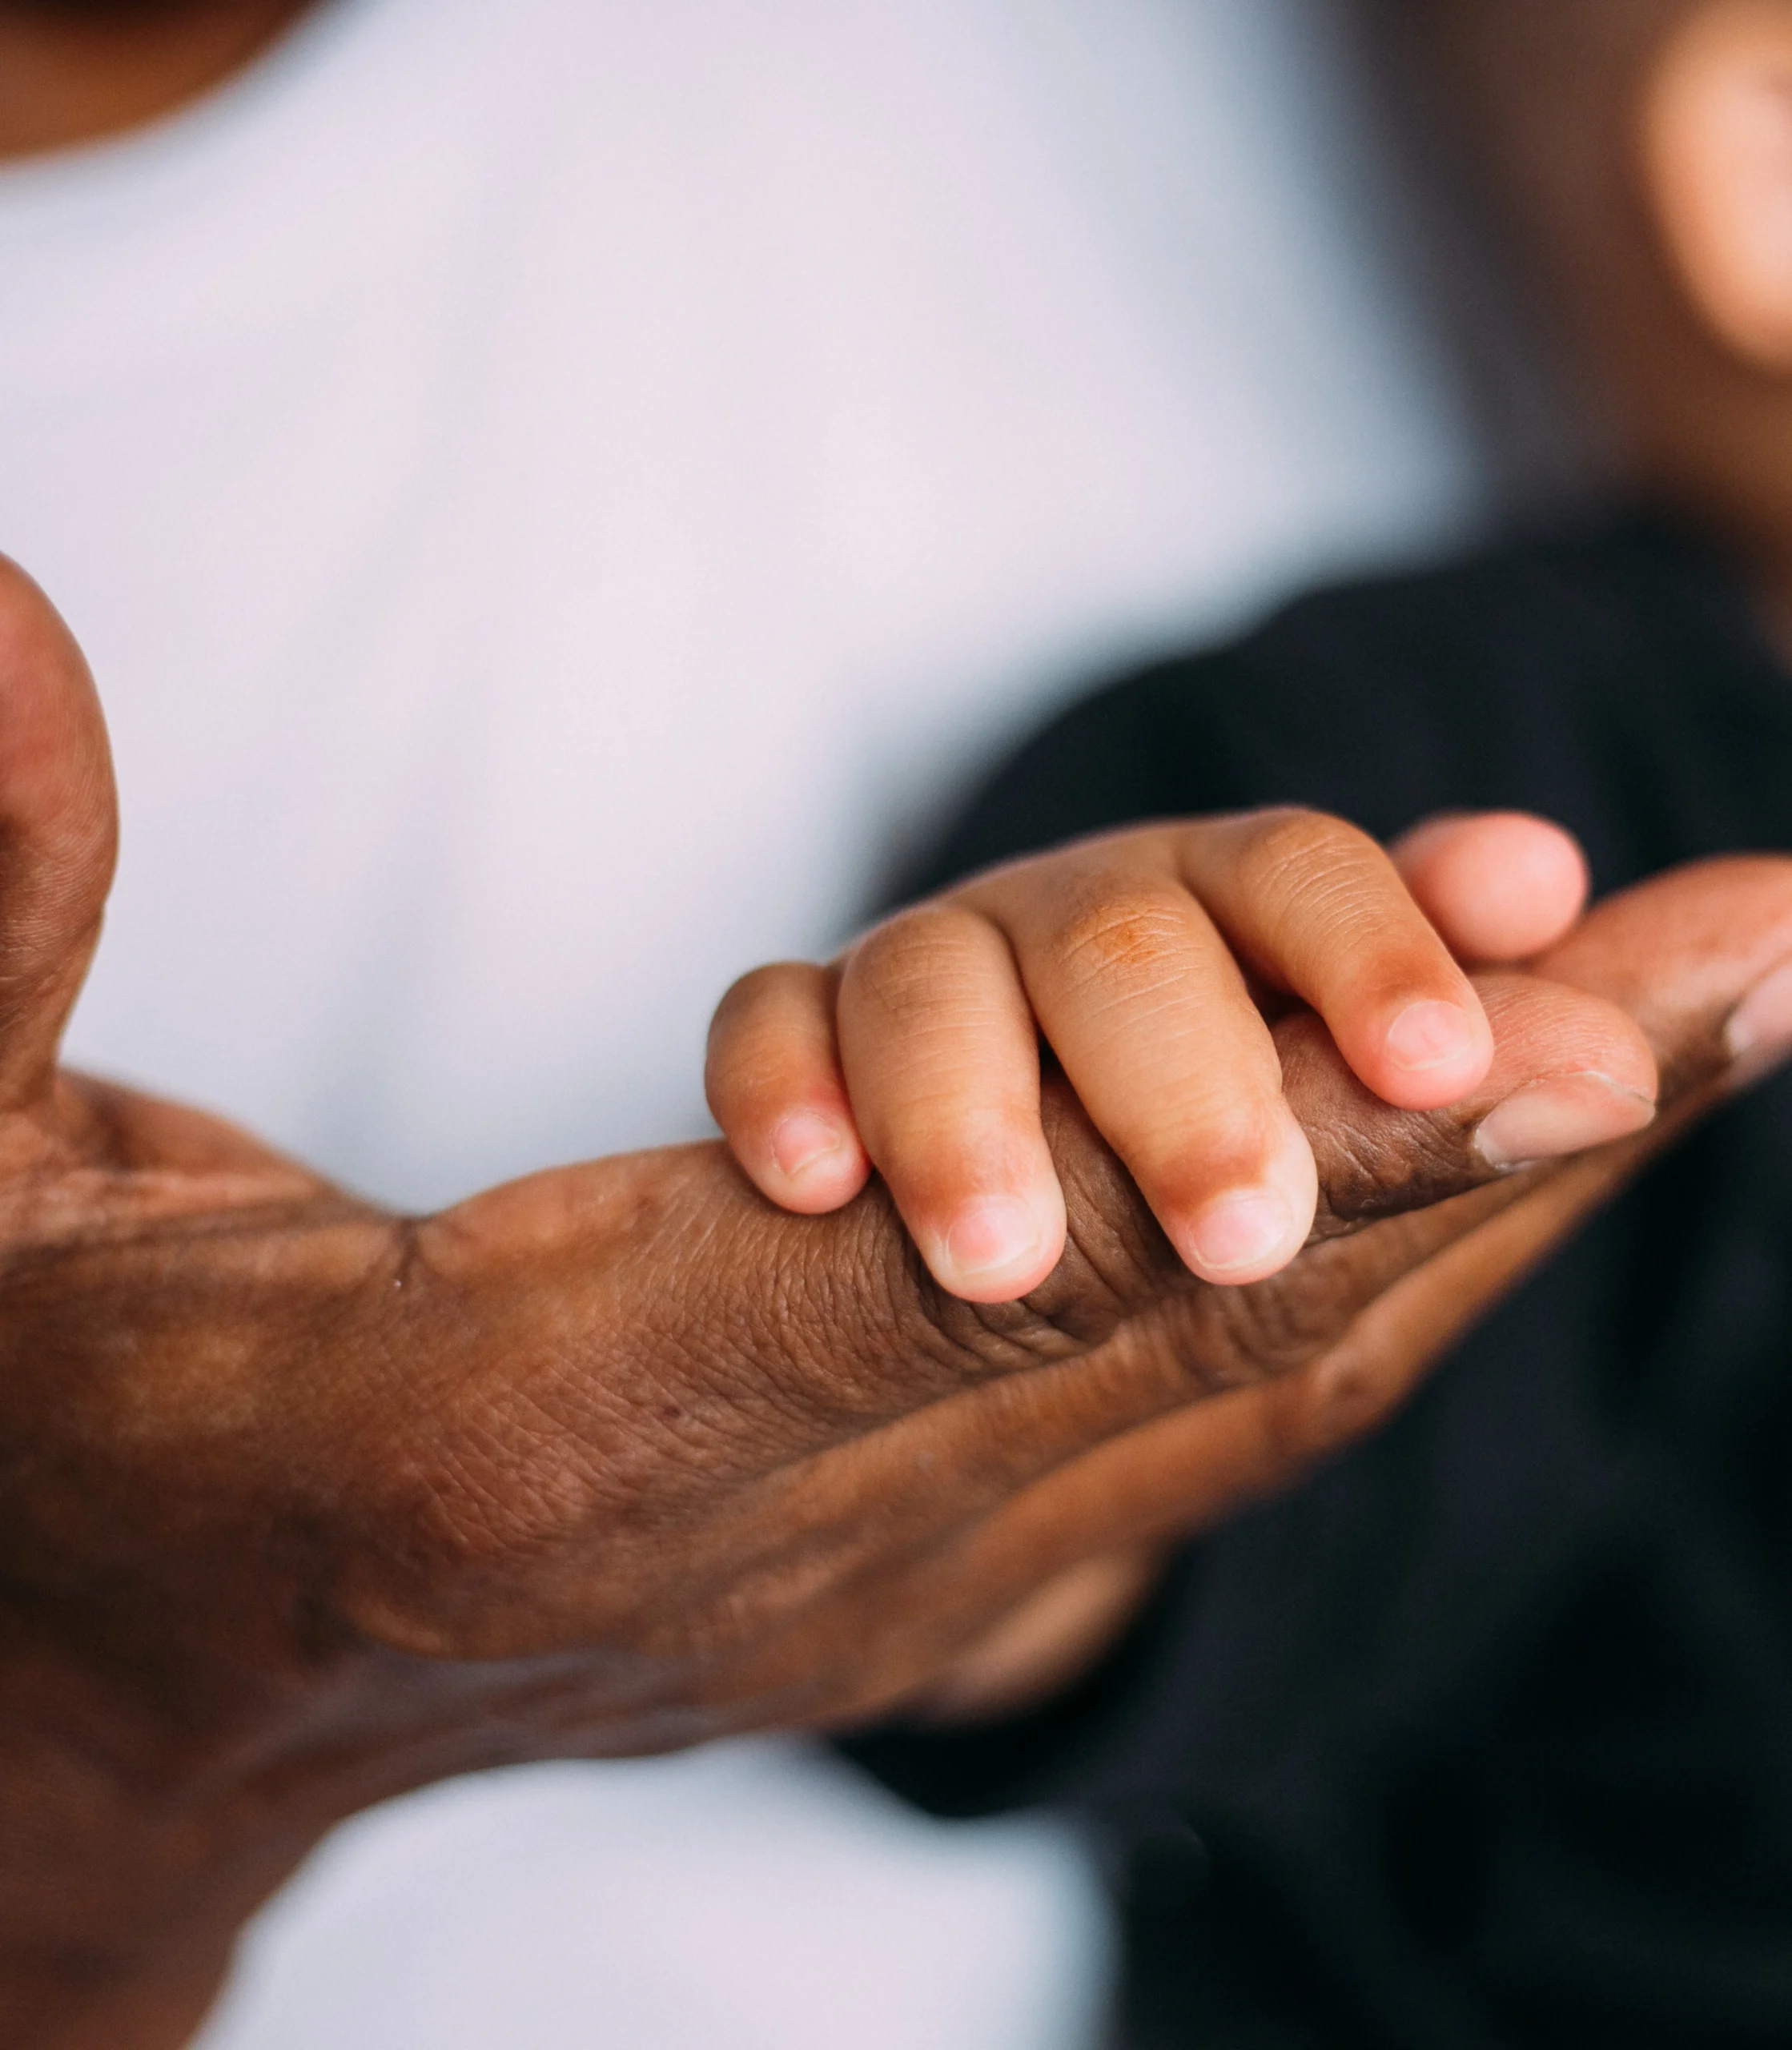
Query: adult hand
<point x="302" y="1504"/>
<point x="1702" y="958"/>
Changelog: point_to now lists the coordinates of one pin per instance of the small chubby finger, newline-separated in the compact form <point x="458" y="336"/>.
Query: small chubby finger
<point x="1314" y="905"/>
<point x="1500" y="886"/>
<point x="774" y="1085"/>
<point x="940" y="1056"/>
<point x="1158" y="1033"/>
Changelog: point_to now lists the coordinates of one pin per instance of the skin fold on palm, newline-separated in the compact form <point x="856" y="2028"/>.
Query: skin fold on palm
<point x="303" y="1503"/>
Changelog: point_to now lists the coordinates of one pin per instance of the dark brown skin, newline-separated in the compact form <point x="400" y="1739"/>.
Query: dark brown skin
<point x="304" y="1504"/>
<point x="74" y="71"/>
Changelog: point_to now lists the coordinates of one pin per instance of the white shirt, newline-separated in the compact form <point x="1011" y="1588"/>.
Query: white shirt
<point x="558" y="496"/>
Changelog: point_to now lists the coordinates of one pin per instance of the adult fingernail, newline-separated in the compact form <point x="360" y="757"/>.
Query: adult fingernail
<point x="1760" y="1028"/>
<point x="1244" y="1228"/>
<point x="999" y="1233"/>
<point x="1566" y="1115"/>
<point x="801" y="1139"/>
<point x="1425" y="1036"/>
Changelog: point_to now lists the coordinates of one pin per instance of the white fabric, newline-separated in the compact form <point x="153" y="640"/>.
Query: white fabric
<point x="557" y="496"/>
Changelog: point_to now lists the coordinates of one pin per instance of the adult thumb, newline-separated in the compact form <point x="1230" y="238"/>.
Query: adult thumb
<point x="59" y="832"/>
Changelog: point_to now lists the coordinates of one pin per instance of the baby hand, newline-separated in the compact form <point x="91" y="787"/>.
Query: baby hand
<point x="1151" y="963"/>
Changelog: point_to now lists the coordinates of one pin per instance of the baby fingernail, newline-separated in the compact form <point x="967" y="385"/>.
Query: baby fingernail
<point x="998" y="1233"/>
<point x="802" y="1139"/>
<point x="1565" y="1115"/>
<point x="1427" y="1034"/>
<point x="1242" y="1229"/>
<point x="1760" y="1028"/>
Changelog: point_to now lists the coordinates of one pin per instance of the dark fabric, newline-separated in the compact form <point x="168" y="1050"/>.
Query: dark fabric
<point x="1483" y="1736"/>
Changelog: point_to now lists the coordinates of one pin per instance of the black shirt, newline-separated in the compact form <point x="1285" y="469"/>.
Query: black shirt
<point x="1484" y="1736"/>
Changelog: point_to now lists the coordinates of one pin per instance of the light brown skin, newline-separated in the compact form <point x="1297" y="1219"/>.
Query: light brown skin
<point x="302" y="1503"/>
<point x="1152" y="961"/>
<point x="1637" y="155"/>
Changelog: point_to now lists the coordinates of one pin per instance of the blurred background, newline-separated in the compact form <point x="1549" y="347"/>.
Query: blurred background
<point x="562" y="499"/>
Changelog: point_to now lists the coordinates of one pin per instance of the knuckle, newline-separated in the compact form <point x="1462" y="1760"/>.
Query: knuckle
<point x="904" y="967"/>
<point x="1221" y="1141"/>
<point x="747" y="991"/>
<point x="747" y="1056"/>
<point x="750" y="996"/>
<point x="1289" y="849"/>
<point x="1407" y="1161"/>
<point x="1110" y="927"/>
<point x="731" y="1027"/>
<point x="1060" y="1320"/>
<point x="1318" y="884"/>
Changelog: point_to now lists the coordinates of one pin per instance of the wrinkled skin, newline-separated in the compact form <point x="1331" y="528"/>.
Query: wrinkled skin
<point x="302" y="1504"/>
